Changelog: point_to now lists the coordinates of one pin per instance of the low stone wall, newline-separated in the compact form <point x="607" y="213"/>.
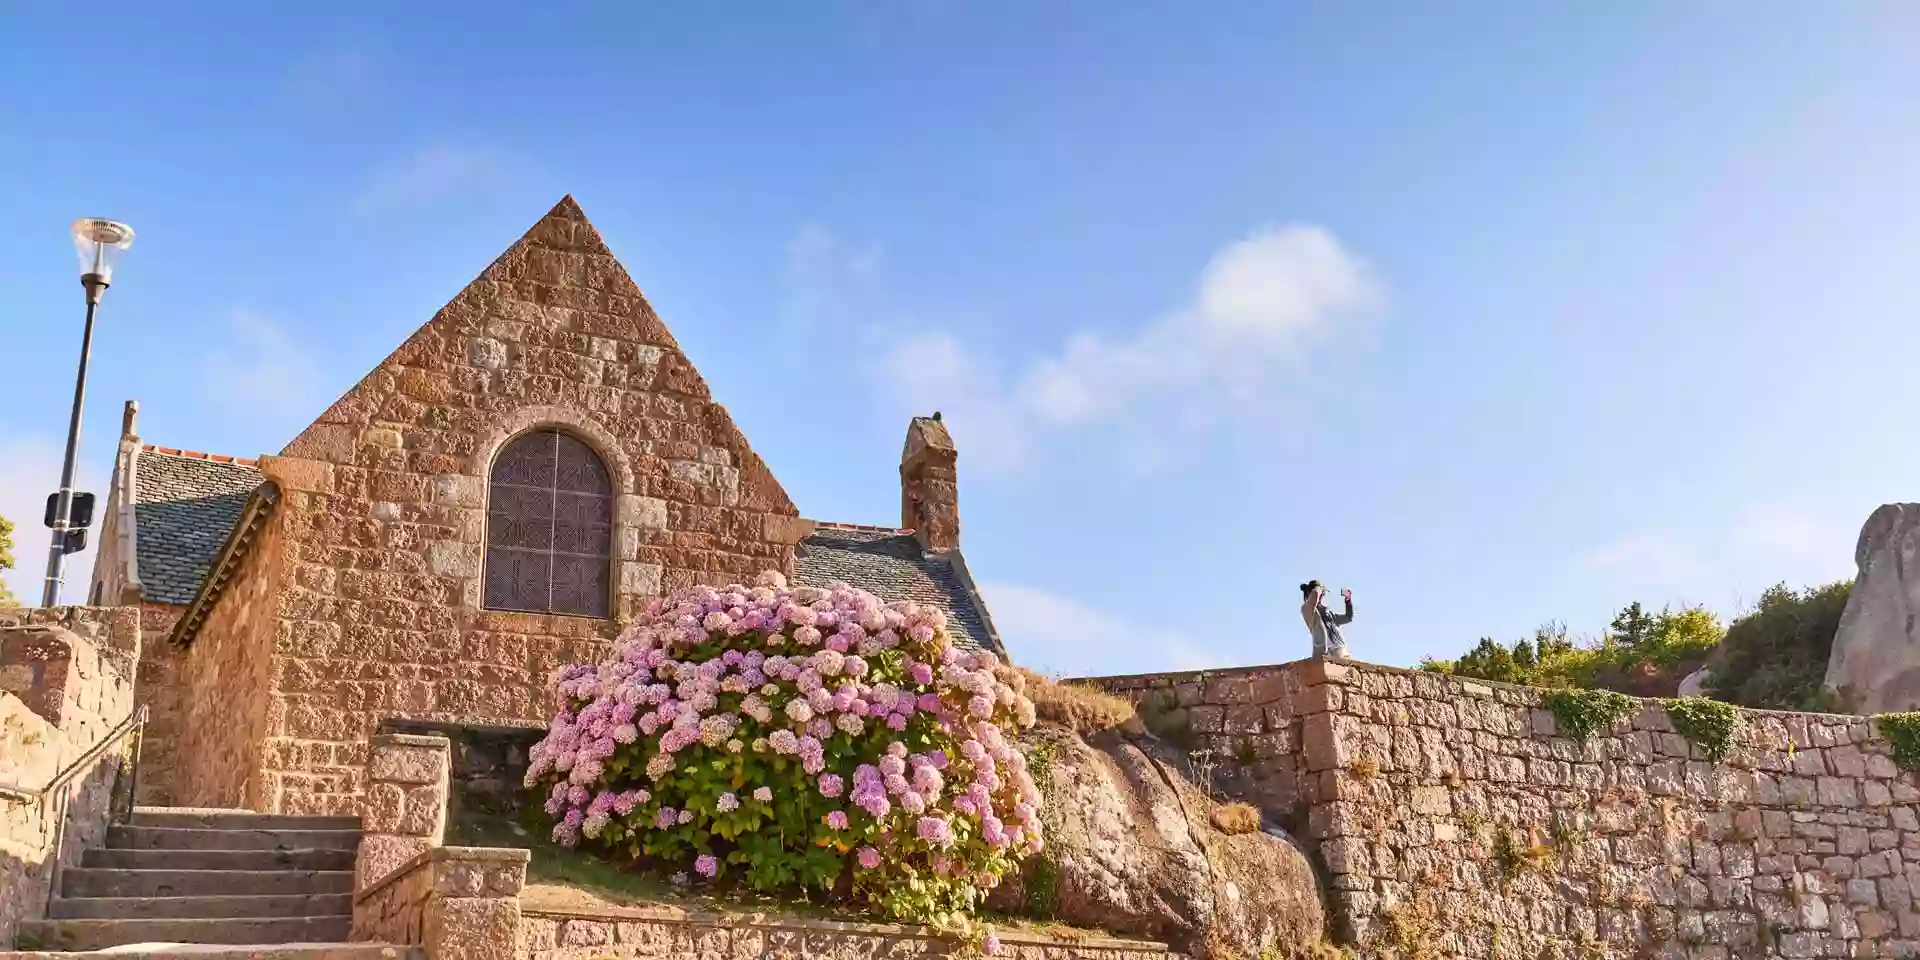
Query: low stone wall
<point x="453" y="902"/>
<point x="650" y="932"/>
<point x="488" y="763"/>
<point x="66" y="682"/>
<point x="1449" y="813"/>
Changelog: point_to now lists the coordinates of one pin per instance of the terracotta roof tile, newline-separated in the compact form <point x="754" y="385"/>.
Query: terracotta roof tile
<point x="185" y="504"/>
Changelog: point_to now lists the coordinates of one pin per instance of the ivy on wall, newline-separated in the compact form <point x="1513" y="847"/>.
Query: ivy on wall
<point x="1902" y="731"/>
<point x="1713" y="724"/>
<point x="1579" y="713"/>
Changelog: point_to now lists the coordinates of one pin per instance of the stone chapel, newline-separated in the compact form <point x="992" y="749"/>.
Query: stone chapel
<point x="490" y="502"/>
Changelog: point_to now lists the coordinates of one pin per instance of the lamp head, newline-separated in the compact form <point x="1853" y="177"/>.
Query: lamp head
<point x="99" y="244"/>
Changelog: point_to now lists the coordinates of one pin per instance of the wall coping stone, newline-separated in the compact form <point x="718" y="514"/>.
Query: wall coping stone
<point x="767" y="921"/>
<point x="430" y="740"/>
<point x="418" y="861"/>
<point x="1334" y="670"/>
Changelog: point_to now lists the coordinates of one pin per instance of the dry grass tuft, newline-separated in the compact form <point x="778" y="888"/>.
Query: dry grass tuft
<point x="1083" y="708"/>
<point x="1364" y="767"/>
<point x="1236" y="818"/>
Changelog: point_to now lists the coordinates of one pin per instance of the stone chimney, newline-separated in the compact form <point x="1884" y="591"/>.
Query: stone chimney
<point x="929" y="492"/>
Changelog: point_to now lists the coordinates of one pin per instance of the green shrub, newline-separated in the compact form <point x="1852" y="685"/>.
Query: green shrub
<point x="1902" y="731"/>
<point x="1579" y="713"/>
<point x="1712" y="724"/>
<point x="1775" y="658"/>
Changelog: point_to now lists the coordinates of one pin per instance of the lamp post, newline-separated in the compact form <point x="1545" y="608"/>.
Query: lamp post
<point x="99" y="243"/>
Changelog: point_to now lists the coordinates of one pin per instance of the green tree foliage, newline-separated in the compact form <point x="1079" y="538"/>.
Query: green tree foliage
<point x="1776" y="657"/>
<point x="1640" y="650"/>
<point x="6" y="557"/>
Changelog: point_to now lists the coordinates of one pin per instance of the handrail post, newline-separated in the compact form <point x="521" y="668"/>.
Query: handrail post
<point x="133" y="775"/>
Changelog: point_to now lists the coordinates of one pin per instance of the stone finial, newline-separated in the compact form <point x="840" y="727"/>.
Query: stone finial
<point x="929" y="489"/>
<point x="130" y="419"/>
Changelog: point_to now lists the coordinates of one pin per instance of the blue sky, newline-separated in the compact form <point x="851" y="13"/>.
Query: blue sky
<point x="1494" y="312"/>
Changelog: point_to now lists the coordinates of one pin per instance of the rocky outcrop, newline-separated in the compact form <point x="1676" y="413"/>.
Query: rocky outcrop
<point x="1875" y="663"/>
<point x="1131" y="848"/>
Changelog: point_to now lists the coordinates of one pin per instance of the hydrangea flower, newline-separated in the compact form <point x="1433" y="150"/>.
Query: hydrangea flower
<point x="799" y="677"/>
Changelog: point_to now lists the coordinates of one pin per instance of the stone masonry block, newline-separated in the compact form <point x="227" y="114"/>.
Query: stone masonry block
<point x="400" y="758"/>
<point x="488" y="352"/>
<point x="640" y="578"/>
<point x="425" y="812"/>
<point x="381" y="855"/>
<point x="386" y="805"/>
<point x="472" y="928"/>
<point x="645" y="513"/>
<point x="454" y="560"/>
<point x="295" y="473"/>
<point x="459" y="490"/>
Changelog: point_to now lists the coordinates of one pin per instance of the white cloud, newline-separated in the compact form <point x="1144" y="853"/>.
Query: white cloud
<point x="429" y="175"/>
<point x="33" y="471"/>
<point x="1259" y="301"/>
<point x="1725" y="565"/>
<point x="1258" y="306"/>
<point x="263" y="368"/>
<point x="1058" y="635"/>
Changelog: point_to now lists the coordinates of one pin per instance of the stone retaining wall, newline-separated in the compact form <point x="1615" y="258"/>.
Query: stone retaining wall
<point x="662" y="932"/>
<point x="1450" y="813"/>
<point x="66" y="682"/>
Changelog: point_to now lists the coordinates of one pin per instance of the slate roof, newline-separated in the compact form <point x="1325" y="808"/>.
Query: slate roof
<point x="185" y="504"/>
<point x="890" y="565"/>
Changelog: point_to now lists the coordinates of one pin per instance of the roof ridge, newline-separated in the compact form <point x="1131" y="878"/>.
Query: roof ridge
<point x="860" y="527"/>
<point x="198" y="455"/>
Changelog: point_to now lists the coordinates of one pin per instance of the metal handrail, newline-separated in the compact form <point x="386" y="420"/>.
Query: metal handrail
<point x="135" y="725"/>
<point x="71" y="770"/>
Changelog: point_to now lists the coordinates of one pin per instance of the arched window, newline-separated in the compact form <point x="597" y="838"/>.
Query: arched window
<point x="549" y="527"/>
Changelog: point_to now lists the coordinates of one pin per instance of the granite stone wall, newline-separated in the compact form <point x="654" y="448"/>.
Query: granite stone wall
<point x="607" y="933"/>
<point x="227" y="675"/>
<point x="1452" y="817"/>
<point x="66" y="682"/>
<point x="159" y="690"/>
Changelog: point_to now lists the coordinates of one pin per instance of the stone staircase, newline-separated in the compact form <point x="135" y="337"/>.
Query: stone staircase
<point x="211" y="884"/>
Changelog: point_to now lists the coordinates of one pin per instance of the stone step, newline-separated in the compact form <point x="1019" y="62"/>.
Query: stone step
<point x="215" y="819"/>
<point x="247" y="905"/>
<point x="136" y="859"/>
<point x="200" y="838"/>
<point x="99" y="934"/>
<point x="223" y="951"/>
<point x="90" y="882"/>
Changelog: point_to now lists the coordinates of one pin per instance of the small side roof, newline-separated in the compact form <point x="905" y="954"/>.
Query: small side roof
<point x="185" y="504"/>
<point x="891" y="565"/>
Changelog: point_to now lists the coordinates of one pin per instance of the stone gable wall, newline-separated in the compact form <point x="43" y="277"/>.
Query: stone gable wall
<point x="66" y="682"/>
<point x="383" y="509"/>
<point x="1449" y="812"/>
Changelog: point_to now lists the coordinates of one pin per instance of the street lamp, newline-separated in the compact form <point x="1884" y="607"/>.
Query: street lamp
<point x="99" y="244"/>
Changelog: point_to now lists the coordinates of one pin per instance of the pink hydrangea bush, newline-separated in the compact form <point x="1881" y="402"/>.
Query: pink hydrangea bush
<point x="797" y="738"/>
